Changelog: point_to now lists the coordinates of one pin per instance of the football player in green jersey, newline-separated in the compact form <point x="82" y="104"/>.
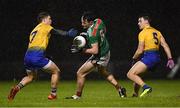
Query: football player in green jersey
<point x="99" y="49"/>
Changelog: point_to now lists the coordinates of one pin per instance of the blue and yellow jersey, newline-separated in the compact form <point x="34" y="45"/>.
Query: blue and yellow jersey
<point x="38" y="42"/>
<point x="39" y="37"/>
<point x="151" y="38"/>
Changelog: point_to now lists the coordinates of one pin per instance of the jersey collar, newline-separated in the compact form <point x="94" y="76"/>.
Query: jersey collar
<point x="147" y="26"/>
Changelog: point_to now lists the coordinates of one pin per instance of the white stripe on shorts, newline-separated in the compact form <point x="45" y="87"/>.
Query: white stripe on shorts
<point x="47" y="66"/>
<point x="28" y="71"/>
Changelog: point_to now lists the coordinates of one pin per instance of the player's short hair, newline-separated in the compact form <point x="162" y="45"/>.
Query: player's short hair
<point x="42" y="15"/>
<point x="146" y="17"/>
<point x="89" y="16"/>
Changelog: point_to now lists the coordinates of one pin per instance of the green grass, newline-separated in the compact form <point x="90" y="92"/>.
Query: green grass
<point x="166" y="93"/>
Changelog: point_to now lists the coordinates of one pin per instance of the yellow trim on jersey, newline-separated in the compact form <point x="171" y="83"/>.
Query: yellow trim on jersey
<point x="40" y="35"/>
<point x="150" y="37"/>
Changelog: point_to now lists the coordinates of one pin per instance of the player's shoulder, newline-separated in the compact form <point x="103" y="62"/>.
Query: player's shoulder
<point x="156" y="30"/>
<point x="98" y="21"/>
<point x="47" y="25"/>
<point x="142" y="32"/>
<point x="44" y="27"/>
<point x="148" y="29"/>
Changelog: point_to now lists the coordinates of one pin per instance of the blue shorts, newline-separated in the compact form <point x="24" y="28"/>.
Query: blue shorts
<point x="35" y="60"/>
<point x="150" y="58"/>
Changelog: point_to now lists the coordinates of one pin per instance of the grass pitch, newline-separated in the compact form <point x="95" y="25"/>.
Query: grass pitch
<point x="166" y="93"/>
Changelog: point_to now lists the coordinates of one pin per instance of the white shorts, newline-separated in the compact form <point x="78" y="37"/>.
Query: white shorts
<point x="102" y="61"/>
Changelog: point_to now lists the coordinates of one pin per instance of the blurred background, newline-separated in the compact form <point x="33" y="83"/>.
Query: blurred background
<point x="18" y="18"/>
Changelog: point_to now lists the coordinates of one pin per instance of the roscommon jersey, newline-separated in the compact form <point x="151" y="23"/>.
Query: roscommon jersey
<point x="38" y="42"/>
<point x="151" y="38"/>
<point x="39" y="37"/>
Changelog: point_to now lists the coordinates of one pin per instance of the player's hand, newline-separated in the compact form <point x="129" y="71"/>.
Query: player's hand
<point x="75" y="49"/>
<point x="170" y="63"/>
<point x="84" y="34"/>
<point x="133" y="61"/>
<point x="72" y="32"/>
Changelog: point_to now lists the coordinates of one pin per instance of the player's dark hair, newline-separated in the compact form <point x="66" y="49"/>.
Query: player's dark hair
<point x="42" y="15"/>
<point x="89" y="16"/>
<point x="146" y="17"/>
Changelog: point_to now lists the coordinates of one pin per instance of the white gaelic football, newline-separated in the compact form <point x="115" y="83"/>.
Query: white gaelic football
<point x="80" y="41"/>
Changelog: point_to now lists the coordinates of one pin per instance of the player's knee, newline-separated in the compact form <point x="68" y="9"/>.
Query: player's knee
<point x="58" y="71"/>
<point x="129" y="74"/>
<point x="80" y="74"/>
<point x="30" y="77"/>
<point x="55" y="71"/>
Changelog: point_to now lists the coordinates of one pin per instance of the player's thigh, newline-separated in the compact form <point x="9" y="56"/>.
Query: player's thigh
<point x="138" y="68"/>
<point x="32" y="74"/>
<point x="51" y="67"/>
<point x="86" y="68"/>
<point x="103" y="70"/>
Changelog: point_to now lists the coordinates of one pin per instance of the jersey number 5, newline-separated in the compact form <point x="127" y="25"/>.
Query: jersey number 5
<point x="156" y="41"/>
<point x="33" y="34"/>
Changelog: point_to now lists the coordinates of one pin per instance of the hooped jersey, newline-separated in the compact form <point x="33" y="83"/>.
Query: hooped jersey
<point x="151" y="38"/>
<point x="39" y="37"/>
<point x="97" y="34"/>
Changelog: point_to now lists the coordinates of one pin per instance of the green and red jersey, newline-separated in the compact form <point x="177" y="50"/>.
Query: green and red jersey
<point x="97" y="34"/>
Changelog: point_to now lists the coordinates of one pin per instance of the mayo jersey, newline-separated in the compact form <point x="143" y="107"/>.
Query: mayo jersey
<point x="151" y="38"/>
<point x="97" y="34"/>
<point x="39" y="37"/>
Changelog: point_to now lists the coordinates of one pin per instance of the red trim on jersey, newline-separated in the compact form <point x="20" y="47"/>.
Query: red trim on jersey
<point x="96" y="27"/>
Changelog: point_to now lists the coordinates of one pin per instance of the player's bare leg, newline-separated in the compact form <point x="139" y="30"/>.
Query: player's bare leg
<point x="86" y="68"/>
<point x="26" y="80"/>
<point x="81" y="74"/>
<point x="54" y="70"/>
<point x="136" y="90"/>
<point x="112" y="80"/>
<point x="138" y="68"/>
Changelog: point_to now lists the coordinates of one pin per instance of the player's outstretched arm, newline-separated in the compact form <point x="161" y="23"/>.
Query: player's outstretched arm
<point x="71" y="33"/>
<point x="167" y="50"/>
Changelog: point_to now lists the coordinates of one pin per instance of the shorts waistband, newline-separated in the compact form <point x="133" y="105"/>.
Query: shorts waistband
<point x="152" y="50"/>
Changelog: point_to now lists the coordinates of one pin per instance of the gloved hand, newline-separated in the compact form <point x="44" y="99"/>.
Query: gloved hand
<point x="72" y="32"/>
<point x="75" y="49"/>
<point x="170" y="63"/>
